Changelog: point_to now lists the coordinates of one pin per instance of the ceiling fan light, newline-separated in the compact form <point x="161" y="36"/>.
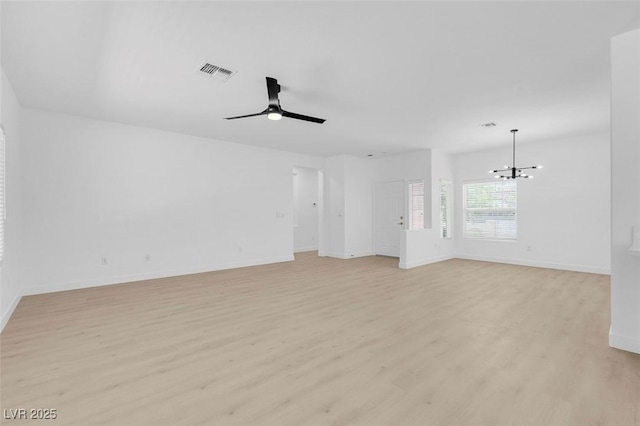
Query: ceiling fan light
<point x="274" y="116"/>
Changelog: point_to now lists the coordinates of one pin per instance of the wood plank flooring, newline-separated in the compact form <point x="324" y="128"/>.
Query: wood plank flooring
<point x="323" y="341"/>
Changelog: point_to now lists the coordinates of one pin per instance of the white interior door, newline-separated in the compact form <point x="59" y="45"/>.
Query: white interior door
<point x="389" y="217"/>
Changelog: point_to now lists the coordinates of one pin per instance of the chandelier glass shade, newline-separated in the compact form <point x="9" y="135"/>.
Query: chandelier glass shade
<point x="513" y="171"/>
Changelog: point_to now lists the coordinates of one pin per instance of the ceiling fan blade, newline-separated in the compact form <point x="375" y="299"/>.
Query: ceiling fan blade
<point x="302" y="117"/>
<point x="273" y="88"/>
<point x="248" y="115"/>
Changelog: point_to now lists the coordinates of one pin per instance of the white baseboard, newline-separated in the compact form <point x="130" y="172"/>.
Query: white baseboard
<point x="121" y="279"/>
<point x="422" y="262"/>
<point x="539" y="264"/>
<point x="625" y="343"/>
<point x="303" y="249"/>
<point x="7" y="315"/>
<point x="347" y="255"/>
<point x="360" y="254"/>
<point x="336" y="255"/>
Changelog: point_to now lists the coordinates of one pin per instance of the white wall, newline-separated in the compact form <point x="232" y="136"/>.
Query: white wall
<point x="96" y="190"/>
<point x="349" y="183"/>
<point x="563" y="213"/>
<point x="348" y="207"/>
<point x="358" y="206"/>
<point x="349" y="214"/>
<point x="10" y="284"/>
<point x="406" y="167"/>
<point x="306" y="209"/>
<point x="625" y="188"/>
<point x="332" y="243"/>
<point x="421" y="247"/>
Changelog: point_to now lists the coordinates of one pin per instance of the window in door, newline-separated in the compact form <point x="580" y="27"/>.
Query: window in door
<point x="416" y="205"/>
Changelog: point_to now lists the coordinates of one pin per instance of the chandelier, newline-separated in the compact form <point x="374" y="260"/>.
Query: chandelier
<point x="513" y="170"/>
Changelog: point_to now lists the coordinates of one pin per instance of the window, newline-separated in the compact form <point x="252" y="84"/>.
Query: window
<point x="490" y="210"/>
<point x="416" y="205"/>
<point x="445" y="209"/>
<point x="2" y="203"/>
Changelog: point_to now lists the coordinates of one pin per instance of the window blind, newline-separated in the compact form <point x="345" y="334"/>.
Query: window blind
<point x="490" y="210"/>
<point x="445" y="209"/>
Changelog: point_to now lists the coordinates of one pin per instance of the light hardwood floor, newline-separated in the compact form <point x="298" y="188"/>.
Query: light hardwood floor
<point x="323" y="341"/>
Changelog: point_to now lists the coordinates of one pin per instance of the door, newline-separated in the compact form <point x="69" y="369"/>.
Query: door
<point x="306" y="213"/>
<point x="389" y="217"/>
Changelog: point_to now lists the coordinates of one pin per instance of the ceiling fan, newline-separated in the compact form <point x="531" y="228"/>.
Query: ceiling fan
<point x="274" y="111"/>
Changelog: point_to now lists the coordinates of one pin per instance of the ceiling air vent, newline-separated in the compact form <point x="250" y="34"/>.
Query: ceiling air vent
<point x="216" y="72"/>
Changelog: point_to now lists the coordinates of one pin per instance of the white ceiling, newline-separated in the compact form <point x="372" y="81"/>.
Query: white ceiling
<point x="387" y="77"/>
